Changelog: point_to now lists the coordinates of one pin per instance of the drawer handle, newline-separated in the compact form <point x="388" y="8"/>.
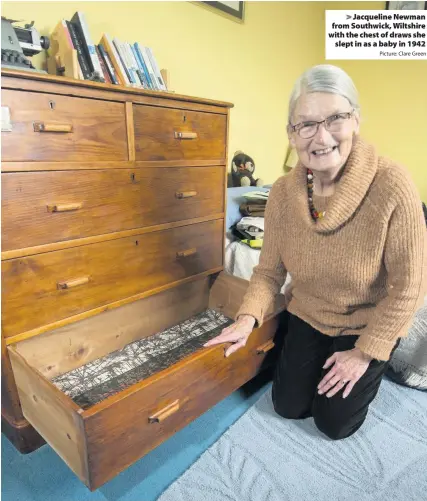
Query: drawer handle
<point x="64" y="207"/>
<point x="160" y="416"/>
<point x="75" y="282"/>
<point x="185" y="135"/>
<point x="186" y="253"/>
<point x="45" y="127"/>
<point x="269" y="345"/>
<point x="185" y="194"/>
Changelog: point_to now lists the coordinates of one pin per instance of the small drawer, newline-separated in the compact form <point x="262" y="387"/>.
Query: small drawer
<point x="45" y="288"/>
<point x="168" y="134"/>
<point x="48" y="207"/>
<point x="49" y="127"/>
<point x="99" y="442"/>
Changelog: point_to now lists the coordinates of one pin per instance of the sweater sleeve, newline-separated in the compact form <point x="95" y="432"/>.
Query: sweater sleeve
<point x="269" y="275"/>
<point x="405" y="260"/>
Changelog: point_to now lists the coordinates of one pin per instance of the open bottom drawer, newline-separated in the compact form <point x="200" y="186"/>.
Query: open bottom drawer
<point x="100" y="440"/>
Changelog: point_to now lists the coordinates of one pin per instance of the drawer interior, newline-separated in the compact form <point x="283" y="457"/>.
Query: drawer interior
<point x="105" y="428"/>
<point x="112" y="373"/>
<point x="80" y="344"/>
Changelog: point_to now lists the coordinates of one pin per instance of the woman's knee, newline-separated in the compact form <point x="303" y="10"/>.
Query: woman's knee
<point x="336" y="427"/>
<point x="288" y="408"/>
<point x="288" y="412"/>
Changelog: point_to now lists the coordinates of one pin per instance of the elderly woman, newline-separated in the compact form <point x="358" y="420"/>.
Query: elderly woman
<point x="347" y="225"/>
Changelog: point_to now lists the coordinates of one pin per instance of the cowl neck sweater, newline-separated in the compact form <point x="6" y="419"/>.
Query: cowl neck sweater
<point x="361" y="270"/>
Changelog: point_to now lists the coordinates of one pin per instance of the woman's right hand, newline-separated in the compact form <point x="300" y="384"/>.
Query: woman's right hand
<point x="236" y="333"/>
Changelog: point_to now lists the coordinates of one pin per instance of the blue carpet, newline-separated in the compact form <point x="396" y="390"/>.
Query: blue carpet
<point x="263" y="457"/>
<point x="43" y="476"/>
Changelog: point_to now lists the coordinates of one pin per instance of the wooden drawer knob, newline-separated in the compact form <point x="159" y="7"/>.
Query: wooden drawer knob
<point x="46" y="127"/>
<point x="185" y="135"/>
<point x="75" y="282"/>
<point x="163" y="414"/>
<point x="64" y="207"/>
<point x="187" y="252"/>
<point x="264" y="348"/>
<point x="185" y="194"/>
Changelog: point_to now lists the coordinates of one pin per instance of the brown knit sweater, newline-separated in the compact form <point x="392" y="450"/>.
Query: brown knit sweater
<point x="360" y="270"/>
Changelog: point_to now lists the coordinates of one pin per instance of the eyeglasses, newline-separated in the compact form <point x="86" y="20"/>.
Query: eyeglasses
<point x="334" y="123"/>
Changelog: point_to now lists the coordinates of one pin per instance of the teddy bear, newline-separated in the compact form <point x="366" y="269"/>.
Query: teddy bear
<point x="242" y="169"/>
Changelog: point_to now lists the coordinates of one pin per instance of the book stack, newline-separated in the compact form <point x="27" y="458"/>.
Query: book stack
<point x="255" y="203"/>
<point x="257" y="195"/>
<point x="111" y="60"/>
<point x="130" y="64"/>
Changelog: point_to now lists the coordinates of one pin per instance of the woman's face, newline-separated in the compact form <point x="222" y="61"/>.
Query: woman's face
<point x="327" y="150"/>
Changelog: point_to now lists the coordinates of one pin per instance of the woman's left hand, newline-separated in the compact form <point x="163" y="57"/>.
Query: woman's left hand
<point x="347" y="367"/>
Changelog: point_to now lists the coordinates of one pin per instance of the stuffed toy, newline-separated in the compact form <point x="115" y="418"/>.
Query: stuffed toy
<point x="242" y="169"/>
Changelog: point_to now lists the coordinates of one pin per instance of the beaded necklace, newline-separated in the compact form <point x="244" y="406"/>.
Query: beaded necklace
<point x="314" y="213"/>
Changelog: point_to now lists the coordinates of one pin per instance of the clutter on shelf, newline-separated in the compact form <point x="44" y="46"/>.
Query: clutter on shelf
<point x="18" y="43"/>
<point x="73" y="54"/>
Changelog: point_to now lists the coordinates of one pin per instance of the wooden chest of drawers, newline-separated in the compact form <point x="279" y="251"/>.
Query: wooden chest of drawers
<point x="113" y="205"/>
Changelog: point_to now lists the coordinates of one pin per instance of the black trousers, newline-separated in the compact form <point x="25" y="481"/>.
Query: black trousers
<point x="299" y="371"/>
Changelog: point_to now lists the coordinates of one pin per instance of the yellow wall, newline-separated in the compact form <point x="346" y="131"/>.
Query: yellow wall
<point x="255" y="64"/>
<point x="252" y="65"/>
<point x="393" y="97"/>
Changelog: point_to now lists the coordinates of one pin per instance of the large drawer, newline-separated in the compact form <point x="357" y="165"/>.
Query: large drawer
<point x="49" y="127"/>
<point x="140" y="420"/>
<point x="101" y="441"/>
<point x="168" y="134"/>
<point x="46" y="207"/>
<point x="41" y="289"/>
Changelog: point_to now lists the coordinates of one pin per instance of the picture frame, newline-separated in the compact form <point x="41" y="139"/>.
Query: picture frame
<point x="234" y="9"/>
<point x="406" y="5"/>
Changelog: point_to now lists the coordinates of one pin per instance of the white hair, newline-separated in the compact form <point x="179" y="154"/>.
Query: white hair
<point x="324" y="78"/>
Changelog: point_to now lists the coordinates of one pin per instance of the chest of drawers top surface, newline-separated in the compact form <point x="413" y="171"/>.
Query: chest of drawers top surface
<point x="39" y="81"/>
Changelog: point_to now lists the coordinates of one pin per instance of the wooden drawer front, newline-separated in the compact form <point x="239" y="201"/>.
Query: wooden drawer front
<point x="46" y="207"/>
<point x="45" y="288"/>
<point x="120" y="434"/>
<point x="157" y="133"/>
<point x="48" y="127"/>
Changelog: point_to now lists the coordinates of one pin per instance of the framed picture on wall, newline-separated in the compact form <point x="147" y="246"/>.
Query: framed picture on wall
<point x="235" y="9"/>
<point x="406" y="5"/>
